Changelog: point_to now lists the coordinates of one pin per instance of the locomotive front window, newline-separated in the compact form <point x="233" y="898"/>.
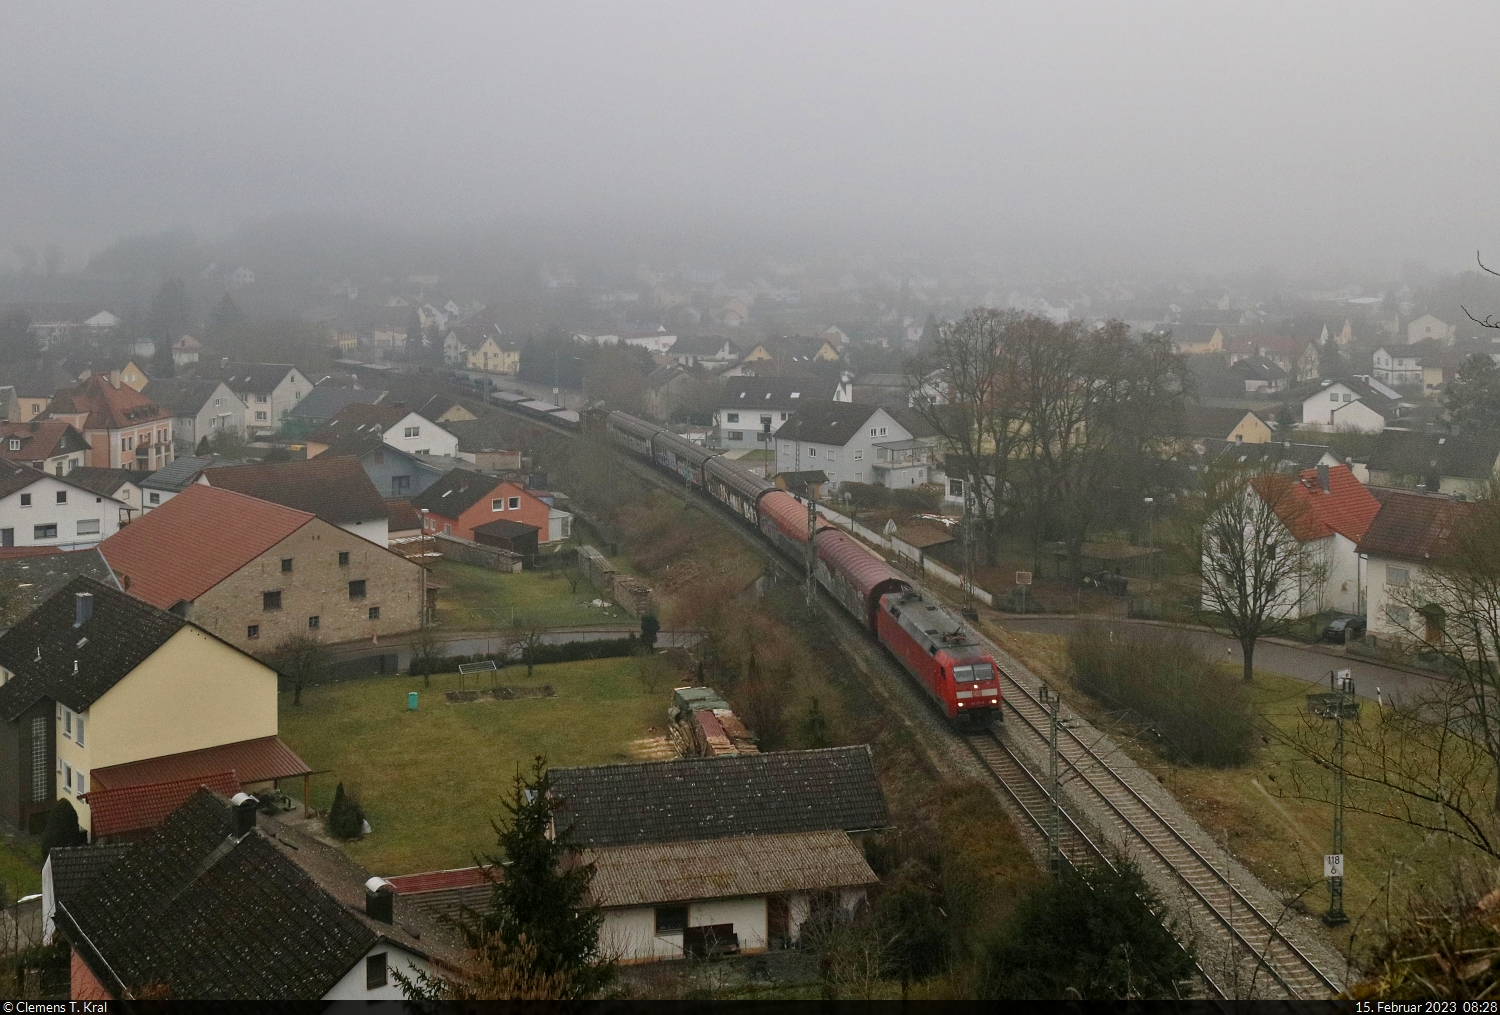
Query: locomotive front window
<point x="963" y="674"/>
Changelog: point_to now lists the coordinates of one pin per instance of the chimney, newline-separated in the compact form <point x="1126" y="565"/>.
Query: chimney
<point x="244" y="814"/>
<point x="380" y="900"/>
<point x="83" y="607"/>
<point x="1323" y="477"/>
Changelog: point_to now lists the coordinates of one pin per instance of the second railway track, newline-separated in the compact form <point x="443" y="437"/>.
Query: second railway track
<point x="1221" y="908"/>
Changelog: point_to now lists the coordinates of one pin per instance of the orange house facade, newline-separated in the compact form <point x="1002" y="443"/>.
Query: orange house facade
<point x="462" y="500"/>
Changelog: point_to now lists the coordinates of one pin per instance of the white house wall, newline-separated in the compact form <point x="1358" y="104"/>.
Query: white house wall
<point x="377" y="530"/>
<point x="351" y="986"/>
<point x="853" y="462"/>
<point x="430" y="439"/>
<point x="1359" y="417"/>
<point x="82" y="507"/>
<point x="1378" y="598"/>
<point x="629" y="935"/>
<point x="747" y="915"/>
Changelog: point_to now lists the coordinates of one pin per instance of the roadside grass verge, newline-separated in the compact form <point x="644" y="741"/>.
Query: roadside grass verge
<point x="431" y="781"/>
<point x="1263" y="811"/>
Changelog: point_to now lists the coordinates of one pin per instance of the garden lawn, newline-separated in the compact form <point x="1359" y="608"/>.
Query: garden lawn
<point x="20" y="868"/>
<point x="432" y="780"/>
<point x="476" y="598"/>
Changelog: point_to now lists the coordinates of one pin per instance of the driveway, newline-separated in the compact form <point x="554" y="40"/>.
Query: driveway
<point x="1304" y="662"/>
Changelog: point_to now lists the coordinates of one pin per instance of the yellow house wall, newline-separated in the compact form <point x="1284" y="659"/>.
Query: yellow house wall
<point x="193" y="692"/>
<point x="1252" y="430"/>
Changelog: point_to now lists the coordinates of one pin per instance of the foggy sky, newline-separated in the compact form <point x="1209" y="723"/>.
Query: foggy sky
<point x="1183" y="134"/>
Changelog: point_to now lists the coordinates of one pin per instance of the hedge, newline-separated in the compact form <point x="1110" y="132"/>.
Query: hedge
<point x="567" y="652"/>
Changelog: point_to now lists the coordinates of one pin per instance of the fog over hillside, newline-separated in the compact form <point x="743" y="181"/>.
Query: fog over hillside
<point x="1177" y="135"/>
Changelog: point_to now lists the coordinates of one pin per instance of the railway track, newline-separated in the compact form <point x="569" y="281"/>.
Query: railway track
<point x="1211" y="892"/>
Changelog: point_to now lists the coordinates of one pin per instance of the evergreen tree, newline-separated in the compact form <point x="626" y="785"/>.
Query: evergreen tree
<point x="413" y="332"/>
<point x="909" y="905"/>
<point x="226" y="316"/>
<point x="62" y="828"/>
<point x="1474" y="395"/>
<point x="168" y="318"/>
<point x="162" y="364"/>
<point x="16" y="341"/>
<point x="345" y="818"/>
<point x="815" y="726"/>
<point x="204" y="447"/>
<point x="649" y="628"/>
<point x="1098" y="932"/>
<point x="541" y="897"/>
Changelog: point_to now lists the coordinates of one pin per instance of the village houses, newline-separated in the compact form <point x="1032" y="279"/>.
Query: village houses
<point x="124" y="428"/>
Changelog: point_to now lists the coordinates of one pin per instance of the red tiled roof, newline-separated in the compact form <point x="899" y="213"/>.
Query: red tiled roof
<point x="135" y="808"/>
<point x="402" y="515"/>
<point x="7" y="552"/>
<point x="108" y="407"/>
<point x="194" y="541"/>
<point x="41" y="438"/>
<point x="438" y="881"/>
<point x="252" y="761"/>
<point x="1309" y="513"/>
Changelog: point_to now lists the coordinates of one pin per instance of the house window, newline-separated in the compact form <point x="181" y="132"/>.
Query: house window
<point x="832" y="455"/>
<point x="515" y="503"/>
<point x="286" y="565"/>
<point x="88" y="526"/>
<point x="1400" y="615"/>
<point x="343" y="558"/>
<point x="882" y="431"/>
<point x="872" y="431"/>
<point x="955" y="488"/>
<point x="859" y="456"/>
<point x="260" y="416"/>
<point x="671" y="920"/>
<point x="62" y="496"/>
<point x="15" y="444"/>
<point x="736" y="435"/>
<point x="48" y="531"/>
<point x="1400" y="577"/>
<point x="313" y="622"/>
<point x="78" y="739"/>
<point x="1348" y="398"/>
<point x="357" y="589"/>
<point x="374" y="613"/>
<point x="252" y="631"/>
<point x="812" y="452"/>
<point x="498" y="504"/>
<point x="375" y="974"/>
<point x="413" y="431"/>
<point x="270" y="600"/>
<point x="260" y="398"/>
<point x="734" y="417"/>
<point x="156" y="498"/>
<point x="67" y="723"/>
<point x="783" y="417"/>
<point x="81" y="781"/>
<point x="40" y="786"/>
<point x="26" y="500"/>
<point x="447" y="529"/>
<point x="67" y="777"/>
<point x="399" y="485"/>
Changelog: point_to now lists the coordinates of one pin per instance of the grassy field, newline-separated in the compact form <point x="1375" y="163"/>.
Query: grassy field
<point x="431" y="781"/>
<point x="1261" y="810"/>
<point x="20" y="868"/>
<point x="475" y="598"/>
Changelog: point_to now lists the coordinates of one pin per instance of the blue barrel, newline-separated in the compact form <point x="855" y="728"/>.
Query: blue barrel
<point x="411" y="701"/>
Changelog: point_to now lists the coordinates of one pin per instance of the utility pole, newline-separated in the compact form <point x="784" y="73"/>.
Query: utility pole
<point x="1151" y="545"/>
<point x="1052" y="703"/>
<point x="1338" y="705"/>
<point x="968" y="611"/>
<point x="812" y="522"/>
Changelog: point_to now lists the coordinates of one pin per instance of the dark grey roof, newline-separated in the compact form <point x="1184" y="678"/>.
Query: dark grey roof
<point x="15" y="476"/>
<point x="203" y="913"/>
<point x="74" y="868"/>
<point x="1258" y="368"/>
<point x="1212" y="421"/>
<point x="487" y="433"/>
<point x="1274" y="453"/>
<point x="1409" y="453"/>
<point x="177" y="475"/>
<point x="33" y="579"/>
<point x="257" y="378"/>
<point x="322" y="403"/>
<point x="44" y="650"/>
<point x="334" y="487"/>
<point x="102" y="481"/>
<point x="36" y="378"/>
<point x="181" y="396"/>
<point x="752" y="393"/>
<point x="839" y="422"/>
<point x="707" y="798"/>
<point x="1361" y="388"/>
<point x="456" y="492"/>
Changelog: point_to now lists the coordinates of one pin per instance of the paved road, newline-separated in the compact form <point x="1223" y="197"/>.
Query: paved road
<point x="1310" y="663"/>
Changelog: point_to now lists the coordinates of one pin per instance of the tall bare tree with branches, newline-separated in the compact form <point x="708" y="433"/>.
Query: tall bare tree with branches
<point x="1254" y="575"/>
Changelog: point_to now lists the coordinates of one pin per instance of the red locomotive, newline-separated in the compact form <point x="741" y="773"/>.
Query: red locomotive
<point x="932" y="644"/>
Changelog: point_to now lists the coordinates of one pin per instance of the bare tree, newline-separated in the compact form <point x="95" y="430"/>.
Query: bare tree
<point x="424" y="650"/>
<point x="1254" y="575"/>
<point x="301" y="660"/>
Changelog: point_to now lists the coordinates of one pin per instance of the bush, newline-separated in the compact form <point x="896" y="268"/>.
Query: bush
<point x="567" y="652"/>
<point x="1097" y="932"/>
<point x="62" y="828"/>
<point x="345" y="818"/>
<point x="1202" y="715"/>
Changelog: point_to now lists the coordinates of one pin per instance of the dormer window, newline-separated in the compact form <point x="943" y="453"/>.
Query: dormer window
<point x="15" y="444"/>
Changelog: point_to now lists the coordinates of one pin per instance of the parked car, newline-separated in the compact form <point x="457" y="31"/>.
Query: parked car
<point x="1341" y="629"/>
<point x="1107" y="581"/>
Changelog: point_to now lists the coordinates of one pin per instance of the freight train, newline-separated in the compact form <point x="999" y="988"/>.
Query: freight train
<point x="929" y="641"/>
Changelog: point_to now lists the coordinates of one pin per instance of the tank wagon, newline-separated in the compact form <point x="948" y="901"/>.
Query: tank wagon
<point x="929" y="641"/>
